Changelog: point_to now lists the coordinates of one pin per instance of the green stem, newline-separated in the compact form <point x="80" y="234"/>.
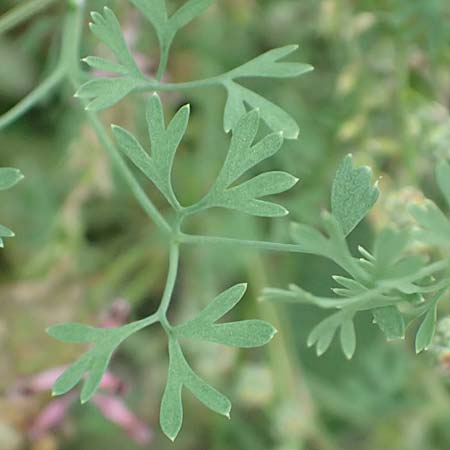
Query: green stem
<point x="163" y="62"/>
<point x="71" y="39"/>
<point x="257" y="245"/>
<point x="33" y="97"/>
<point x="170" y="285"/>
<point x="21" y="13"/>
<point x="134" y="327"/>
<point x="150" y="85"/>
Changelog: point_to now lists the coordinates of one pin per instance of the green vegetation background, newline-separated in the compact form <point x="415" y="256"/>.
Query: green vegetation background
<point x="381" y="90"/>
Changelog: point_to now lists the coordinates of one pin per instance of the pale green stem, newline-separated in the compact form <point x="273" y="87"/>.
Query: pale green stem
<point x="157" y="86"/>
<point x="21" y="13"/>
<point x="231" y="242"/>
<point x="134" y="327"/>
<point x="170" y="285"/>
<point x="163" y="62"/>
<point x="70" y="60"/>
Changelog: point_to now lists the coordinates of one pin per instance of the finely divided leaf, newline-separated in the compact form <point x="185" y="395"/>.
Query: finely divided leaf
<point x="245" y="334"/>
<point x="390" y="321"/>
<point x="265" y="65"/>
<point x="427" y="328"/>
<point x="107" y="29"/>
<point x="332" y="246"/>
<point x="171" y="412"/>
<point x="105" y="92"/>
<point x="348" y="338"/>
<point x="188" y="12"/>
<point x="222" y="304"/>
<point x="322" y="334"/>
<point x="166" y="28"/>
<point x="164" y="143"/>
<point x="268" y="65"/>
<point x="242" y="156"/>
<point x="155" y="11"/>
<point x="245" y="196"/>
<point x="275" y="118"/>
<point x="94" y="363"/>
<point x="181" y="374"/>
<point x="9" y="177"/>
<point x="352" y="194"/>
<point x="75" y="333"/>
<point x="72" y="376"/>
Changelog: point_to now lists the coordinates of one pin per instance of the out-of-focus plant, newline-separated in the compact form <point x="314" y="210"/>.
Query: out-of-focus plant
<point x="8" y="178"/>
<point x="394" y="283"/>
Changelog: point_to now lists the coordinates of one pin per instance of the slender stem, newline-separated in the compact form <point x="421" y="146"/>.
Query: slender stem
<point x="69" y="60"/>
<point x="71" y="39"/>
<point x="170" y="283"/>
<point x="21" y="13"/>
<point x="151" y="85"/>
<point x="32" y="98"/>
<point x="163" y="62"/>
<point x="134" y="327"/>
<point x="259" y="245"/>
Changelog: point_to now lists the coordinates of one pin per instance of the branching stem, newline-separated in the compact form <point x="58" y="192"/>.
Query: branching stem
<point x="232" y="242"/>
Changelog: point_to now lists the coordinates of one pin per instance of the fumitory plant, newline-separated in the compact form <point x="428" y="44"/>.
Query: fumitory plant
<point x="245" y="110"/>
<point x="393" y="281"/>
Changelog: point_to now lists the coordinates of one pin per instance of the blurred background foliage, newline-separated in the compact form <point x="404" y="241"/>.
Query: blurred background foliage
<point x="381" y="90"/>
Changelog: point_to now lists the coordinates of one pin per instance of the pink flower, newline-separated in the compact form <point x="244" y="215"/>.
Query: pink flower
<point x="117" y="412"/>
<point x="110" y="403"/>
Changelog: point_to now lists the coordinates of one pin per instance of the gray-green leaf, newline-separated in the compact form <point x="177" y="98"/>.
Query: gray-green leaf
<point x="245" y="334"/>
<point x="94" y="362"/>
<point x="164" y="143"/>
<point x="276" y="118"/>
<point x="181" y="374"/>
<point x="9" y="177"/>
<point x="105" y="92"/>
<point x="348" y="338"/>
<point x="268" y="65"/>
<point x="427" y="328"/>
<point x="352" y="194"/>
<point x="390" y="321"/>
<point x="166" y="28"/>
<point x="242" y="156"/>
